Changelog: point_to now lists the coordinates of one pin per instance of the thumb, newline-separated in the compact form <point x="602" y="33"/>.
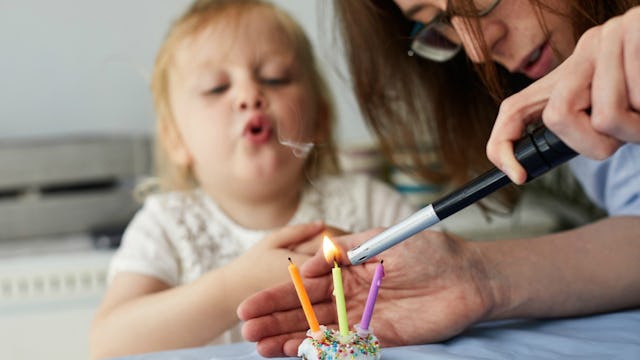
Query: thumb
<point x="294" y="234"/>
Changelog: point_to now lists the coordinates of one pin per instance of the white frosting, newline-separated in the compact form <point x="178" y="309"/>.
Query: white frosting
<point x="307" y="350"/>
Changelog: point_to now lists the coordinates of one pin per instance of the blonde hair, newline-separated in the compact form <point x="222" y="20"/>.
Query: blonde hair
<point x="201" y="14"/>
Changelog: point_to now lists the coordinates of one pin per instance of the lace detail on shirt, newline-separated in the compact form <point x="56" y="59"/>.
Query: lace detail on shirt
<point x="333" y="202"/>
<point x="200" y="245"/>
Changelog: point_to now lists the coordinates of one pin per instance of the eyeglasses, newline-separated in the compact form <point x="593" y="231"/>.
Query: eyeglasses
<point x="436" y="39"/>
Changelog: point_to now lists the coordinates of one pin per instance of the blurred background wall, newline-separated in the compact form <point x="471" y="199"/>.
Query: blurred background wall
<point x="82" y="67"/>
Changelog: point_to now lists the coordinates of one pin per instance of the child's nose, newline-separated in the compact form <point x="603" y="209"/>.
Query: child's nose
<point x="251" y="98"/>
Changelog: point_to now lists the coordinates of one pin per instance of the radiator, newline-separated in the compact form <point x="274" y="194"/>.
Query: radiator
<point x="47" y="301"/>
<point x="55" y="194"/>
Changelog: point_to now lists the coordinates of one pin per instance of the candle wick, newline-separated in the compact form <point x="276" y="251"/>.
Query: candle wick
<point x="381" y="261"/>
<point x="290" y="260"/>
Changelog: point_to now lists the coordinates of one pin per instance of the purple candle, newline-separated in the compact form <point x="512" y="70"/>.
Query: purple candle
<point x="371" y="299"/>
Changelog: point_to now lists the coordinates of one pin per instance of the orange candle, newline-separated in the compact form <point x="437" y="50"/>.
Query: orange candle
<point x="304" y="298"/>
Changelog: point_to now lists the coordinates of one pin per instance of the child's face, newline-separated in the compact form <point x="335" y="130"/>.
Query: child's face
<point x="234" y="90"/>
<point x="512" y="32"/>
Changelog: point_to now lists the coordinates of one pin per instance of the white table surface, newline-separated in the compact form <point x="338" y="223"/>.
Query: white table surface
<point x="607" y="336"/>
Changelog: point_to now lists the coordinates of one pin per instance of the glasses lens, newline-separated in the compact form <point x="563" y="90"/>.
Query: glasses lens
<point x="438" y="42"/>
<point x="480" y="8"/>
<point x="483" y="4"/>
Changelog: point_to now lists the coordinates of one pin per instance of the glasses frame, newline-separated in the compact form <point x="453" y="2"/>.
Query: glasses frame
<point x="421" y="30"/>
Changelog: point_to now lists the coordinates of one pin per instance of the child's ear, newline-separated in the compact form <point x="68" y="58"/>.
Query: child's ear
<point x="173" y="144"/>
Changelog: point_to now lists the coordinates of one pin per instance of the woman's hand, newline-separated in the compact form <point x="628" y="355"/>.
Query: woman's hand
<point x="435" y="286"/>
<point x="591" y="101"/>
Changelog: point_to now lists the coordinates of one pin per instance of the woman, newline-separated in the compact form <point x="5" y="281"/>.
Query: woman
<point x="478" y="53"/>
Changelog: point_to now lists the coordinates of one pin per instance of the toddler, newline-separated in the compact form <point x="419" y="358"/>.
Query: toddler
<point x="246" y="163"/>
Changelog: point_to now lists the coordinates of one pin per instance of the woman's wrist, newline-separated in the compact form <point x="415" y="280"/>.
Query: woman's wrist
<point x="495" y="282"/>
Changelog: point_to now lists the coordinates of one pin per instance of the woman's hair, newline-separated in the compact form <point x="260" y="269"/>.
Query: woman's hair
<point x="418" y="107"/>
<point x="200" y="15"/>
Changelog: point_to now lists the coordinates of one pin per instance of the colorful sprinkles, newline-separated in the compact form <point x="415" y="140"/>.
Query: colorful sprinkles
<point x="330" y="348"/>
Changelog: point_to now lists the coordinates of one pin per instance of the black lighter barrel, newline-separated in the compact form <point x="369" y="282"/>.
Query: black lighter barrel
<point x="538" y="152"/>
<point x="471" y="192"/>
<point x="541" y="151"/>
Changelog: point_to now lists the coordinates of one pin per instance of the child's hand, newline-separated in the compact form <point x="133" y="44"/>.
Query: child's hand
<point x="265" y="263"/>
<point x="313" y="245"/>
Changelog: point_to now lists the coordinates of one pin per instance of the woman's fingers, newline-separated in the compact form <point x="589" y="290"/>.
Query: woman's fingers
<point x="567" y="112"/>
<point x="278" y="298"/>
<point x="281" y="345"/>
<point x="609" y="99"/>
<point x="287" y="322"/>
<point x="630" y="131"/>
<point x="274" y="317"/>
<point x="516" y="112"/>
<point x="282" y="298"/>
<point x="631" y="56"/>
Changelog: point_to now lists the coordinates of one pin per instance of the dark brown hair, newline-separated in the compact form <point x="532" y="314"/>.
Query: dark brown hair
<point x="415" y="105"/>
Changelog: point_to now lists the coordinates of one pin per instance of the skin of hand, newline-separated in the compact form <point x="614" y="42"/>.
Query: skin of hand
<point x="434" y="287"/>
<point x="265" y="263"/>
<point x="591" y="101"/>
<point x="194" y="313"/>
<point x="437" y="285"/>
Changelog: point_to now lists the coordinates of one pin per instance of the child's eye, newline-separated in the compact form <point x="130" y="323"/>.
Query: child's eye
<point x="275" y="81"/>
<point x="218" y="89"/>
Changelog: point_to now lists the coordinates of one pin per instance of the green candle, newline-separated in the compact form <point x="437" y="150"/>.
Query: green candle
<point x="331" y="252"/>
<point x="338" y="292"/>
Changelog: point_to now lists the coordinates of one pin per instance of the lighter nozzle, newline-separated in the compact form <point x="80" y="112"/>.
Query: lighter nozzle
<point x="408" y="227"/>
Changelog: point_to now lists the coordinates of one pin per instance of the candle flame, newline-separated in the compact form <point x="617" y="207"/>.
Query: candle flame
<point x="330" y="250"/>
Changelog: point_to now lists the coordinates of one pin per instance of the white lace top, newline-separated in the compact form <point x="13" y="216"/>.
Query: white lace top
<point x="178" y="236"/>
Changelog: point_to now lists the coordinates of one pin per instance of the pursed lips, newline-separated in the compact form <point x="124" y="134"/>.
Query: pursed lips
<point x="258" y="129"/>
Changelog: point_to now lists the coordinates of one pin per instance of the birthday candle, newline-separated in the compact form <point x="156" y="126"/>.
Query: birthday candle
<point x="304" y="298"/>
<point x="338" y="292"/>
<point x="331" y="252"/>
<point x="373" y="294"/>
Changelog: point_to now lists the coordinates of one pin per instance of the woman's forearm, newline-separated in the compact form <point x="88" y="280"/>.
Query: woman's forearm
<point x="590" y="269"/>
